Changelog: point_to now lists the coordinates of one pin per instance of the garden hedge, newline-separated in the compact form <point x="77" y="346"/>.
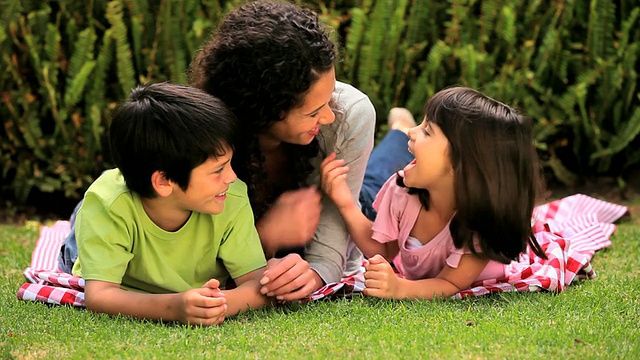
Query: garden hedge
<point x="569" y="64"/>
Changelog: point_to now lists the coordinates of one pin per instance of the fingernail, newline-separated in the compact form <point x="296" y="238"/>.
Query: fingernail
<point x="270" y="294"/>
<point x="280" y="297"/>
<point x="264" y="281"/>
<point x="263" y="290"/>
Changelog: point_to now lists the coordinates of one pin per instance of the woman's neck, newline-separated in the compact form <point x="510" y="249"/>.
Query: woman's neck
<point x="268" y="144"/>
<point x="274" y="159"/>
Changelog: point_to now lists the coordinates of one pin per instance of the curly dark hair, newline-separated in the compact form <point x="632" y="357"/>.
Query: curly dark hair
<point x="261" y="61"/>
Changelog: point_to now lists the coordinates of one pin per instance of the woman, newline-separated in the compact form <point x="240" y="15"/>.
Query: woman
<point x="273" y="63"/>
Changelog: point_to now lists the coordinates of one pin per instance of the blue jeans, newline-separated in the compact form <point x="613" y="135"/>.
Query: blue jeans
<point x="386" y="159"/>
<point x="69" y="249"/>
<point x="389" y="156"/>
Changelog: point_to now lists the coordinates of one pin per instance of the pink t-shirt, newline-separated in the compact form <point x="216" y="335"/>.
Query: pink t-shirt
<point x="397" y="214"/>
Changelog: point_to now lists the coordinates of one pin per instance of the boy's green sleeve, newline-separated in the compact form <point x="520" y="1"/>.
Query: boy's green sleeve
<point x="241" y="250"/>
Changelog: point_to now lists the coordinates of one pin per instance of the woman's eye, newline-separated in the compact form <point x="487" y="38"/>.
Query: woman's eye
<point x="314" y="114"/>
<point x="219" y="171"/>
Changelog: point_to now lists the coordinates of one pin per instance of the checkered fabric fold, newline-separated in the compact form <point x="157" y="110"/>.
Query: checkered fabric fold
<point x="570" y="231"/>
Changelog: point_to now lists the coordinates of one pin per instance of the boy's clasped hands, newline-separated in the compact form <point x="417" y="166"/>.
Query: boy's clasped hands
<point x="203" y="306"/>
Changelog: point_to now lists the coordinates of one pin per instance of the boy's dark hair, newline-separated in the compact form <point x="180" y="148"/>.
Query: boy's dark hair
<point x="170" y="128"/>
<point x="496" y="172"/>
<point x="261" y="61"/>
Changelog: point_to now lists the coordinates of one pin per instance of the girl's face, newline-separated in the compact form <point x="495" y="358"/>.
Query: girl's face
<point x="302" y="124"/>
<point x="432" y="167"/>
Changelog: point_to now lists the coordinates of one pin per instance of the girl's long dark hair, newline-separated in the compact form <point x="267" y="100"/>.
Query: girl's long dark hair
<point x="496" y="172"/>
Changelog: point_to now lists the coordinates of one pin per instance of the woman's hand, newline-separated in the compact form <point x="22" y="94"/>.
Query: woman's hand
<point x="289" y="278"/>
<point x="334" y="181"/>
<point x="291" y="221"/>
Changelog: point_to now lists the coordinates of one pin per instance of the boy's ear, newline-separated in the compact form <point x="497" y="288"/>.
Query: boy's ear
<point x="161" y="184"/>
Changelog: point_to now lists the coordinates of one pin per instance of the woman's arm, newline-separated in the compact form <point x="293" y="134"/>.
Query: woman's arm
<point x="290" y="221"/>
<point x="351" y="136"/>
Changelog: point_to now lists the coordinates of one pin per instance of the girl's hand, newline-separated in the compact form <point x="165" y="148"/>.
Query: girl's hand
<point x="289" y="278"/>
<point x="202" y="306"/>
<point x="291" y="221"/>
<point x="333" y="181"/>
<point x="380" y="279"/>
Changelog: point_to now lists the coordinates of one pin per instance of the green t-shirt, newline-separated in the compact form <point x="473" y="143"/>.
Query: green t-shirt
<point x="118" y="242"/>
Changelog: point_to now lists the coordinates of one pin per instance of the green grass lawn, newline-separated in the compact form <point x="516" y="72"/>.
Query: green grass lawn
<point x="597" y="318"/>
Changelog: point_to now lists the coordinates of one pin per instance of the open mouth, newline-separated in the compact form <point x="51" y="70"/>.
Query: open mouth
<point x="409" y="147"/>
<point x="409" y="166"/>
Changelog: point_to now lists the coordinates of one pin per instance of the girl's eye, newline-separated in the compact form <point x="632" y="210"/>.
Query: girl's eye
<point x="219" y="171"/>
<point x="314" y="114"/>
<point x="424" y="131"/>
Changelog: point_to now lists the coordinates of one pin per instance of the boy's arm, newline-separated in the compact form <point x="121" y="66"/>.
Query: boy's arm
<point x="201" y="306"/>
<point x="247" y="293"/>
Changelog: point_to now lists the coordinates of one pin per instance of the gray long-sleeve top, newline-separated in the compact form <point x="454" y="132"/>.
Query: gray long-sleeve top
<point x="350" y="136"/>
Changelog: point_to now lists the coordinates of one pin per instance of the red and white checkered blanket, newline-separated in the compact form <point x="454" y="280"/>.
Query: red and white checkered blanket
<point x="570" y="231"/>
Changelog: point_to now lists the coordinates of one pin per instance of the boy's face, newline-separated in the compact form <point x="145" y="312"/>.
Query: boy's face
<point x="208" y="185"/>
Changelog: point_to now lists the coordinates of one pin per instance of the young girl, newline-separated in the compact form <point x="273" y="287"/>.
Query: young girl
<point x="459" y="211"/>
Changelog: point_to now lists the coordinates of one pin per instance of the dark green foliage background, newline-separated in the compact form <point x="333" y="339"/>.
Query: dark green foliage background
<point x="570" y="64"/>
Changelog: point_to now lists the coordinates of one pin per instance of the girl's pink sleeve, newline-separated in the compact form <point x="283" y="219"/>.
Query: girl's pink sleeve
<point x="493" y="269"/>
<point x="456" y="254"/>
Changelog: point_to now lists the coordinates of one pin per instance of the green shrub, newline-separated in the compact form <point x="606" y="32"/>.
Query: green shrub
<point x="68" y="64"/>
<point x="569" y="64"/>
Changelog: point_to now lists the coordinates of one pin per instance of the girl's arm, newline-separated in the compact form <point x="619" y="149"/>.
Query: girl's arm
<point x="382" y="282"/>
<point x="333" y="175"/>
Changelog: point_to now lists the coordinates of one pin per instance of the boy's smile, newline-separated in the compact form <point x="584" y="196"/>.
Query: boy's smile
<point x="208" y="186"/>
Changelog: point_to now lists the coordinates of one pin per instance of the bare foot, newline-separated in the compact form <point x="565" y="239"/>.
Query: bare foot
<point x="400" y="119"/>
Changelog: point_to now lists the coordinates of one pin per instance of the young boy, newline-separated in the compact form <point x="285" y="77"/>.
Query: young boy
<point x="153" y="239"/>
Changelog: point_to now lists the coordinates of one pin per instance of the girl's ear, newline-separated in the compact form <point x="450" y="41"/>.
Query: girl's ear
<point x="161" y="184"/>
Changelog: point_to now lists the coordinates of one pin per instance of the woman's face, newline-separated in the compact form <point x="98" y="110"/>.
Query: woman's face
<point x="303" y="123"/>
